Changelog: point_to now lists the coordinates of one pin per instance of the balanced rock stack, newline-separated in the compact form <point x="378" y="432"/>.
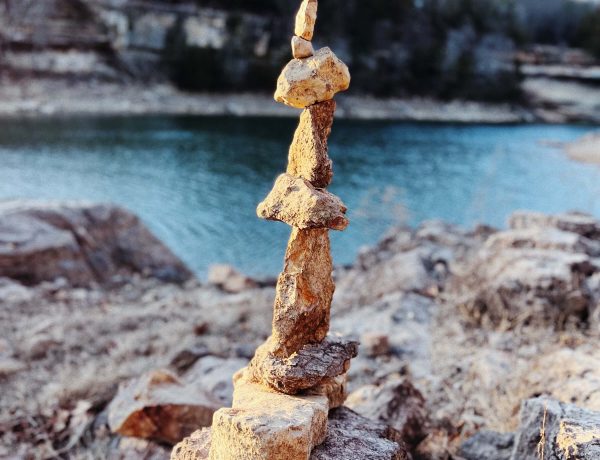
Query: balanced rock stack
<point x="282" y="400"/>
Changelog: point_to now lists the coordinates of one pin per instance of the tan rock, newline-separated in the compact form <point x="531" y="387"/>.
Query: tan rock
<point x="335" y="389"/>
<point x="304" y="291"/>
<point x="161" y="407"/>
<point x="297" y="203"/>
<point x="301" y="48"/>
<point x="304" y="82"/>
<point x="265" y="425"/>
<point x="194" y="447"/>
<point x="308" y="157"/>
<point x="311" y="365"/>
<point x="306" y="19"/>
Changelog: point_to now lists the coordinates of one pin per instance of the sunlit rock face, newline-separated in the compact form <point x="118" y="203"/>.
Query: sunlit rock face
<point x="304" y="82"/>
<point x="306" y="19"/>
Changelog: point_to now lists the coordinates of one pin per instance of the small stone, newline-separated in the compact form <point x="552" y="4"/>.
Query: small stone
<point x="265" y="425"/>
<point x="336" y="390"/>
<point x="304" y="292"/>
<point x="229" y="279"/>
<point x="375" y="344"/>
<point x="161" y="407"/>
<point x="297" y="203"/>
<point x="301" y="48"/>
<point x="304" y="82"/>
<point x="308" y="157"/>
<point x="310" y="366"/>
<point x="306" y="19"/>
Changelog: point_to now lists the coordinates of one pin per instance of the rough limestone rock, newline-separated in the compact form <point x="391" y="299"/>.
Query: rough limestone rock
<point x="543" y="271"/>
<point x="351" y="436"/>
<point x="304" y="82"/>
<point x="81" y="242"/>
<point x="161" y="407"/>
<point x="304" y="292"/>
<point x="306" y="19"/>
<point x="397" y="403"/>
<point x="265" y="425"/>
<point x="297" y="203"/>
<point x="301" y="48"/>
<point x="194" y="447"/>
<point x="308" y="157"/>
<point x="308" y="367"/>
<point x="488" y="445"/>
<point x="570" y="433"/>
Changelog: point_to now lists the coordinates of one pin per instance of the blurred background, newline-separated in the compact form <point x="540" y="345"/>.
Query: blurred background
<point x="521" y="78"/>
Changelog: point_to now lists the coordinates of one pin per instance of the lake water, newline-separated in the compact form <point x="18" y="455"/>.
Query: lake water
<point x="196" y="181"/>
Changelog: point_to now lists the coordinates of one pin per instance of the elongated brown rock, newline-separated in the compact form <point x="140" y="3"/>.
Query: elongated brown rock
<point x="310" y="366"/>
<point x="308" y="157"/>
<point x="304" y="291"/>
<point x="318" y="78"/>
<point x="296" y="202"/>
<point x="306" y="19"/>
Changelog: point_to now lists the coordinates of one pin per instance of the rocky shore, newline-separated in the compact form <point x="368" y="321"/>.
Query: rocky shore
<point x="51" y="97"/>
<point x="469" y="340"/>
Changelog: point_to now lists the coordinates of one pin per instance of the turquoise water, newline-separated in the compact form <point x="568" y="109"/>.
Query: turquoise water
<point x="196" y="181"/>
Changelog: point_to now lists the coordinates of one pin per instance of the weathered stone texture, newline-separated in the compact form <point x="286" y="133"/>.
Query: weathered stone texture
<point x="161" y="407"/>
<point x="265" y="425"/>
<point x="306" y="19"/>
<point x="304" y="292"/>
<point x="308" y="157"/>
<point x="301" y="48"/>
<point x="304" y="82"/>
<point x="308" y="367"/>
<point x="297" y="203"/>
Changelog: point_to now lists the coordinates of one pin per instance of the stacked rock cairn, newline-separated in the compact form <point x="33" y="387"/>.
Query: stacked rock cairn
<point x="282" y="400"/>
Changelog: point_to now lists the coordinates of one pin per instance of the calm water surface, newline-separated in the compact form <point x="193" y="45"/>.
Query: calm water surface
<point x="196" y="181"/>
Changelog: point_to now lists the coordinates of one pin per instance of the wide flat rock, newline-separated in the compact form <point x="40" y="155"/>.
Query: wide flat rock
<point x="297" y="203"/>
<point x="349" y="436"/>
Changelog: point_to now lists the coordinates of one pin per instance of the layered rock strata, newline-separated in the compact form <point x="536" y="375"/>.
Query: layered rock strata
<point x="282" y="400"/>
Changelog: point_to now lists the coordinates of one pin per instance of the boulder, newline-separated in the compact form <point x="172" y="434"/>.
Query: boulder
<point x="308" y="157"/>
<point x="556" y="431"/>
<point x="301" y="48"/>
<point x="488" y="445"/>
<point x="161" y="407"/>
<point x="308" y="367"/>
<point x="303" y="293"/>
<point x="81" y="242"/>
<point x="297" y="203"/>
<point x="306" y="19"/>
<point x="304" y="82"/>
<point x="229" y="279"/>
<point x="397" y="403"/>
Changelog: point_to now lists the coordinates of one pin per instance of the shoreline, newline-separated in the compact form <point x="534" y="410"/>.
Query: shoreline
<point x="44" y="98"/>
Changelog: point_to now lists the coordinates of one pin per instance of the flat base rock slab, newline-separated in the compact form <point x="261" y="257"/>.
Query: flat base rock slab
<point x="265" y="425"/>
<point x="349" y="437"/>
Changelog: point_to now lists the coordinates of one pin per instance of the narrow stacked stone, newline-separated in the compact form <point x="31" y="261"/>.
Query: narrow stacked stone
<point x="282" y="400"/>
